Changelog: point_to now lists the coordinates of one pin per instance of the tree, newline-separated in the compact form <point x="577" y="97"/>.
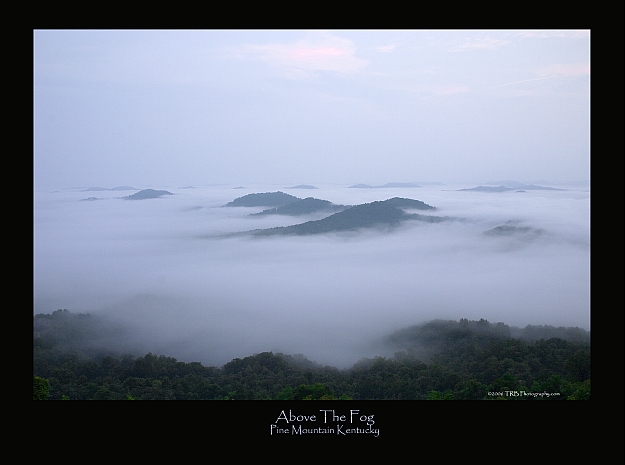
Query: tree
<point x="317" y="391"/>
<point x="437" y="395"/>
<point x="582" y="392"/>
<point x="41" y="388"/>
<point x="471" y="390"/>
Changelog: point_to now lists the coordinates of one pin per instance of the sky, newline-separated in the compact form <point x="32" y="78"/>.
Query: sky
<point x="158" y="108"/>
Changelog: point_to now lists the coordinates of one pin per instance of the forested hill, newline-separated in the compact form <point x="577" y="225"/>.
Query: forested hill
<point x="438" y="335"/>
<point x="267" y="199"/>
<point x="303" y="207"/>
<point x="465" y="360"/>
<point x="387" y="213"/>
<point x="399" y="202"/>
<point x="147" y="194"/>
<point x="302" y="186"/>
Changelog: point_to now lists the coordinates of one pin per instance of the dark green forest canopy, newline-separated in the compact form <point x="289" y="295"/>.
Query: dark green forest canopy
<point x="438" y="360"/>
<point x="437" y="333"/>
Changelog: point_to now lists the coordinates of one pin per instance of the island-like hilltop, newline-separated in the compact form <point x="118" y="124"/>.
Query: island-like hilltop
<point x="303" y="207"/>
<point x="518" y="187"/>
<point x="147" y="194"/>
<point x="302" y="186"/>
<point x="267" y="199"/>
<point x="385" y="213"/>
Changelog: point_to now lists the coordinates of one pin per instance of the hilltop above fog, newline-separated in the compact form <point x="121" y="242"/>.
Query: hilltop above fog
<point x="147" y="194"/>
<point x="303" y="207"/>
<point x="302" y="186"/>
<point x="267" y="199"/>
<point x="385" y="213"/>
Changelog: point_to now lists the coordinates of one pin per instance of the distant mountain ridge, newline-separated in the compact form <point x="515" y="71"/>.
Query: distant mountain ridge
<point x="118" y="188"/>
<point x="488" y="189"/>
<point x="522" y="185"/>
<point x="303" y="207"/>
<point x="266" y="199"/>
<point x="385" y="186"/>
<point x="379" y="214"/>
<point x="387" y="213"/>
<point x="147" y="194"/>
<point x="302" y="186"/>
<point x="518" y="187"/>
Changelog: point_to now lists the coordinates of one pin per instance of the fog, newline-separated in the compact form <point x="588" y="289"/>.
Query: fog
<point x="169" y="271"/>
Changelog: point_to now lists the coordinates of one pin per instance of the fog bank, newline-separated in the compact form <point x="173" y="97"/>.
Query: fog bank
<point x="164" y="268"/>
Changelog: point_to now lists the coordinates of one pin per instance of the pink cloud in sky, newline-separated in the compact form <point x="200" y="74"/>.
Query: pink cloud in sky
<point x="327" y="53"/>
